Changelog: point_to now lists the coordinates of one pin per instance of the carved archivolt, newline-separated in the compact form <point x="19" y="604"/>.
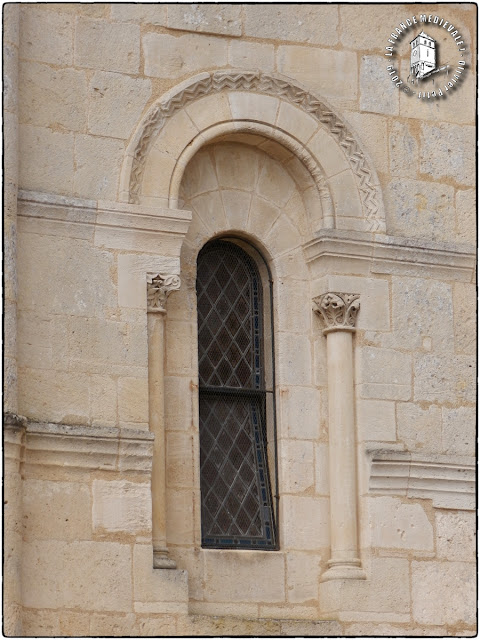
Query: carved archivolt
<point x="260" y="83"/>
<point x="338" y="310"/>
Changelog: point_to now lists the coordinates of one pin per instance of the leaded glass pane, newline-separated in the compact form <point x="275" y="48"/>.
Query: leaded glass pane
<point x="236" y="498"/>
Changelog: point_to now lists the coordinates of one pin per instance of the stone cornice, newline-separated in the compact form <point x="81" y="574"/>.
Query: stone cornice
<point x="449" y="481"/>
<point x="383" y="254"/>
<point x="90" y="448"/>
<point x="103" y="214"/>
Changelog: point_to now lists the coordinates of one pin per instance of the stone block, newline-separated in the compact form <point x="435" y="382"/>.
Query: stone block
<point x="102" y="625"/>
<point x="455" y="535"/>
<point x="371" y="130"/>
<point x="168" y="56"/>
<point x="236" y="166"/>
<point x="387" y="590"/>
<point x="396" y="525"/>
<point x="149" y="625"/>
<point x="422" y="309"/>
<point x="339" y="69"/>
<point x="356" y="27"/>
<point x="346" y="200"/>
<point x="107" y="46"/>
<point x="314" y="24"/>
<point x="249" y="106"/>
<point x="420" y="209"/>
<point x="63" y="260"/>
<point x="294" y="359"/>
<point x="199" y="176"/>
<point x="376" y="420"/>
<point x="121" y="506"/>
<point x="306" y="523"/>
<point x="377" y="92"/>
<point x="301" y="412"/>
<point x="296" y="466"/>
<point x="321" y="469"/>
<point x="61" y="574"/>
<point x="464" y="314"/>
<point x="303" y="575"/>
<point x="53" y="98"/>
<point x="329" y="154"/>
<point x="55" y="510"/>
<point x="384" y="374"/>
<point x="55" y="396"/>
<point x="251" y="55"/>
<point x="132" y="278"/>
<point x="208" y="209"/>
<point x="47" y="159"/>
<point x="448" y="152"/>
<point x="46" y="36"/>
<point x="141" y="13"/>
<point x="180" y="516"/>
<point x="180" y="464"/>
<point x="97" y="166"/>
<point x="466" y="225"/>
<point x="237" y="205"/>
<point x="262" y="214"/>
<point x="444" y="593"/>
<point x="283" y="236"/>
<point x="133" y="400"/>
<point x="116" y="103"/>
<point x="103" y="400"/>
<point x="293" y="301"/>
<point x="221" y="19"/>
<point x="404" y="157"/>
<point x="157" y="585"/>
<point x="244" y="576"/>
<point x="181" y="352"/>
<point x="459" y="430"/>
<point x="419" y="428"/>
<point x="298" y="123"/>
<point x="34" y="339"/>
<point x="444" y="379"/>
<point x="38" y="622"/>
<point x="205" y="112"/>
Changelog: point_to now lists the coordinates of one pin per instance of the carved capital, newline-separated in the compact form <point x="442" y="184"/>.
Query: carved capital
<point x="159" y="287"/>
<point x="338" y="310"/>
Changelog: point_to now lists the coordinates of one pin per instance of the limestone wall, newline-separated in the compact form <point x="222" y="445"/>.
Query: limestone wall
<point x="142" y="135"/>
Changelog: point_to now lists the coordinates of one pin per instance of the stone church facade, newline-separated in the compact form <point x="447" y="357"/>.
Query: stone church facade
<point x="137" y="134"/>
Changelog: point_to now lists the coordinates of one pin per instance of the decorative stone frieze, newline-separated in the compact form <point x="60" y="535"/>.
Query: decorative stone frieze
<point x="339" y="310"/>
<point x="159" y="287"/>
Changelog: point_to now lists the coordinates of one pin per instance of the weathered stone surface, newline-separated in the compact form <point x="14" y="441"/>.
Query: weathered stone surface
<point x="377" y="92"/>
<point x="56" y="510"/>
<point x="206" y="18"/>
<point x="52" y="98"/>
<point x="251" y="55"/>
<point x="448" y="152"/>
<point x="465" y="203"/>
<point x="303" y="574"/>
<point x="420" y="209"/>
<point x="371" y="130"/>
<point x="404" y="157"/>
<point x="357" y="27"/>
<point x="384" y="374"/>
<point x="133" y="400"/>
<point x="46" y="36"/>
<point x="169" y="56"/>
<point x="314" y="24"/>
<point x="116" y="103"/>
<point x="444" y="378"/>
<point x="455" y="535"/>
<point x="121" y="506"/>
<point x="458" y="430"/>
<point x="443" y="592"/>
<point x="236" y="166"/>
<point x="339" y="69"/>
<point x="300" y="412"/>
<point x="306" y="523"/>
<point x="97" y="166"/>
<point x="47" y="159"/>
<point x="399" y="526"/>
<point x="157" y="586"/>
<point x="464" y="299"/>
<point x="376" y="420"/>
<point x="419" y="428"/>
<point x="296" y="465"/>
<point x="141" y="13"/>
<point x="107" y="46"/>
<point x="233" y="576"/>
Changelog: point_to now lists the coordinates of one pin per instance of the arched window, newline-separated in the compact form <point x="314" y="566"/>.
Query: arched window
<point x="236" y="398"/>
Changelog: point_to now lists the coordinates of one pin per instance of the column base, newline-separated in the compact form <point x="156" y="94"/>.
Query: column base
<point x="162" y="561"/>
<point x="344" y="570"/>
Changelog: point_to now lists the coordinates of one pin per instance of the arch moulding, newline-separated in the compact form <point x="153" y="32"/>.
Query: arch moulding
<point x="210" y="105"/>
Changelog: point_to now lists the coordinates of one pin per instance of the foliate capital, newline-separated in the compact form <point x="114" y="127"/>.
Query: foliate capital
<point x="338" y="310"/>
<point x="159" y="287"/>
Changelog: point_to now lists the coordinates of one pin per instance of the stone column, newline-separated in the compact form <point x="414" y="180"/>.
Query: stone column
<point x="339" y="312"/>
<point x="158" y="289"/>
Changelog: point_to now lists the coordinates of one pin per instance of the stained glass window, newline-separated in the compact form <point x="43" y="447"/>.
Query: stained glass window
<point x="234" y="475"/>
